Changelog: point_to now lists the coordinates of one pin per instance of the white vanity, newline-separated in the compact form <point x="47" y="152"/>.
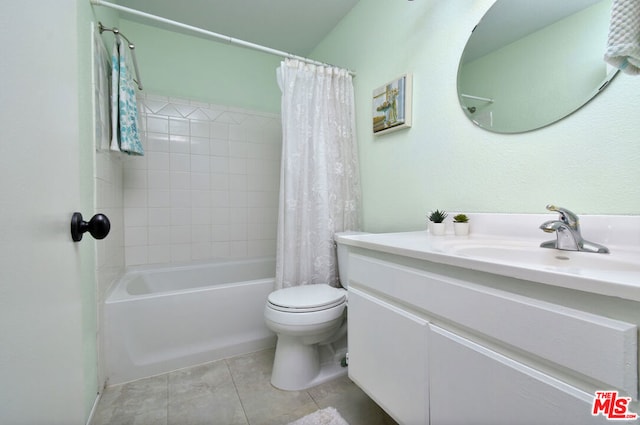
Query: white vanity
<point x="493" y="329"/>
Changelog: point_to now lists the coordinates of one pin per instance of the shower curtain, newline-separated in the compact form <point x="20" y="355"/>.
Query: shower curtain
<point x="319" y="179"/>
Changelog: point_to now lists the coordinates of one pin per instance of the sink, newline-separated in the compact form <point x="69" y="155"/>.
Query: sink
<point x="507" y="250"/>
<point x="535" y="256"/>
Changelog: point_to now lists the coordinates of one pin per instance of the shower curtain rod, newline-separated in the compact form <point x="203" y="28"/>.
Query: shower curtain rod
<point x="222" y="37"/>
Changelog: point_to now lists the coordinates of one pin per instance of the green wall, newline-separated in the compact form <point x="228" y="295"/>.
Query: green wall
<point x="89" y="314"/>
<point x="588" y="162"/>
<point x="182" y="65"/>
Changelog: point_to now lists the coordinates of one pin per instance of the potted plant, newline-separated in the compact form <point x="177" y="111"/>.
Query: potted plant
<point x="436" y="222"/>
<point x="461" y="224"/>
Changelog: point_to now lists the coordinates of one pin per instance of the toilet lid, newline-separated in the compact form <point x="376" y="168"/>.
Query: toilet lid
<point x="307" y="298"/>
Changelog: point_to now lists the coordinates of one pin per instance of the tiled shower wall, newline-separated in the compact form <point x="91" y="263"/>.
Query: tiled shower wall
<point x="207" y="186"/>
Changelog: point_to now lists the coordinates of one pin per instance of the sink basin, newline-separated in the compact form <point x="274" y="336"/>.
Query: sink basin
<point x="572" y="261"/>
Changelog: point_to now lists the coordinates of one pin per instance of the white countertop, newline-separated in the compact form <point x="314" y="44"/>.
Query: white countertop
<point x="616" y="274"/>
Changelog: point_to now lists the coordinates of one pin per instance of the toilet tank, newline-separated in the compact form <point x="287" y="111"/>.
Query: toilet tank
<point x="343" y="257"/>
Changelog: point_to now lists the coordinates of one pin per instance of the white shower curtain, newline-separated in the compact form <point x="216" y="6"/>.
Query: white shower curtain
<point x="319" y="179"/>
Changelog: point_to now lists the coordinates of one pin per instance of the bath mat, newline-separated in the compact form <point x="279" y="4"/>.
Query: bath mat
<point x="326" y="416"/>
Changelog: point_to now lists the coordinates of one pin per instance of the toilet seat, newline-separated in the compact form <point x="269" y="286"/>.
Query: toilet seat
<point x="306" y="298"/>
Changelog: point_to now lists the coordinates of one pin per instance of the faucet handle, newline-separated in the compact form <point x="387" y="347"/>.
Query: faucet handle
<point x="570" y="218"/>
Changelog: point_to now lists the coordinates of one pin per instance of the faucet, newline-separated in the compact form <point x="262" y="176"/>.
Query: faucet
<point x="568" y="236"/>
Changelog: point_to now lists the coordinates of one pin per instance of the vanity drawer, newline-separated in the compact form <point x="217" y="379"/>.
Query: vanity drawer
<point x="595" y="346"/>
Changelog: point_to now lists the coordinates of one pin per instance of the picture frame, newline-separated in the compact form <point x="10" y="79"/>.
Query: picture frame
<point x="392" y="105"/>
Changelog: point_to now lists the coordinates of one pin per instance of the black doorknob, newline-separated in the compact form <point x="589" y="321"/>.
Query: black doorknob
<point x="98" y="226"/>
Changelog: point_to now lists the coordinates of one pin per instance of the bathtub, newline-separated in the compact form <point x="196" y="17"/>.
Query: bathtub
<point x="161" y="319"/>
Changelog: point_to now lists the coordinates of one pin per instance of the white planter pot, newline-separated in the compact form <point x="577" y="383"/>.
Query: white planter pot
<point x="436" y="229"/>
<point x="461" y="229"/>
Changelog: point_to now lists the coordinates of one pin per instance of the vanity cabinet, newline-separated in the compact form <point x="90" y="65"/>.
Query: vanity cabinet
<point x="433" y="349"/>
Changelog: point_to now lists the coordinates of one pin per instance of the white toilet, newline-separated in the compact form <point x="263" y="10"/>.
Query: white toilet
<point x="311" y="324"/>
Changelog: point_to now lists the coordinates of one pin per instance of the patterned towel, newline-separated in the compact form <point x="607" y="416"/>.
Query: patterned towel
<point x="623" y="46"/>
<point x="124" y="108"/>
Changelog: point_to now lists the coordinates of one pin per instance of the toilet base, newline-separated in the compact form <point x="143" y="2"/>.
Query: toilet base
<point x="299" y="367"/>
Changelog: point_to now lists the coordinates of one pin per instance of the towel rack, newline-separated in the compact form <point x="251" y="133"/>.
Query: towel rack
<point x="116" y="31"/>
<point x="484" y="99"/>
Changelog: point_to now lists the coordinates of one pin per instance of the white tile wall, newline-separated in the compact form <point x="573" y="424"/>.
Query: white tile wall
<point x="109" y="253"/>
<point x="207" y="186"/>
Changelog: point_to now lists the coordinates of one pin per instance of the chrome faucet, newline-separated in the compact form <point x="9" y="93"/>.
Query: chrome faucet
<point x="568" y="236"/>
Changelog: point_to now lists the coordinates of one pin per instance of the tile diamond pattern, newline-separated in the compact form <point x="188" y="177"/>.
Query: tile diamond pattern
<point x="204" y="162"/>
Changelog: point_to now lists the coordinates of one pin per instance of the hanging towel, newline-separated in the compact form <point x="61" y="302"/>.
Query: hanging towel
<point x="623" y="46"/>
<point x="101" y="93"/>
<point x="124" y="109"/>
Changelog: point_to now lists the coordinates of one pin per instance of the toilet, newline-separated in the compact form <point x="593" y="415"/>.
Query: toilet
<point x="311" y="324"/>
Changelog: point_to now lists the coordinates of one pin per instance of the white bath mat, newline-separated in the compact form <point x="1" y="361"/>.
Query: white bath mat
<point x="326" y="416"/>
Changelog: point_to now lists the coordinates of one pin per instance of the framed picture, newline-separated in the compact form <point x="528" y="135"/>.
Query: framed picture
<point x="392" y="105"/>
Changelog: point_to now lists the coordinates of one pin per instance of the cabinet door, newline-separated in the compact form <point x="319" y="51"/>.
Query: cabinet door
<point x="471" y="384"/>
<point x="388" y="357"/>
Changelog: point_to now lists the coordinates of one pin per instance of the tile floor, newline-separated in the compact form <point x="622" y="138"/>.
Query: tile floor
<point x="234" y="391"/>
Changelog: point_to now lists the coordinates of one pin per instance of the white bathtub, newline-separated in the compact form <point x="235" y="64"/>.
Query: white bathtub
<point x="161" y="319"/>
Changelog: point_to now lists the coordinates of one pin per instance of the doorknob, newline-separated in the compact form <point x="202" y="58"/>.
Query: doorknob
<point x="98" y="226"/>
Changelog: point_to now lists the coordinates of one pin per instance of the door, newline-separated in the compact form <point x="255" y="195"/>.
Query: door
<point x="388" y="357"/>
<point x="47" y="307"/>
<point x="472" y="384"/>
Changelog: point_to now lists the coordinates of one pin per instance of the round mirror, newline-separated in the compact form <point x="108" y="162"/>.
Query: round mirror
<point x="529" y="64"/>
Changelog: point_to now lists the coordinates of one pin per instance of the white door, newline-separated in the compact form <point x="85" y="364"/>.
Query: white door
<point x="388" y="357"/>
<point x="47" y="308"/>
<point x="471" y="384"/>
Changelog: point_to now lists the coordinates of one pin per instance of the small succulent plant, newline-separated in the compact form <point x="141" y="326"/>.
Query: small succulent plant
<point x="437" y="216"/>
<point x="460" y="218"/>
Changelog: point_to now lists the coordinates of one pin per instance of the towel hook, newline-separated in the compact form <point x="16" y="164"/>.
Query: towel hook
<point x="116" y="31"/>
